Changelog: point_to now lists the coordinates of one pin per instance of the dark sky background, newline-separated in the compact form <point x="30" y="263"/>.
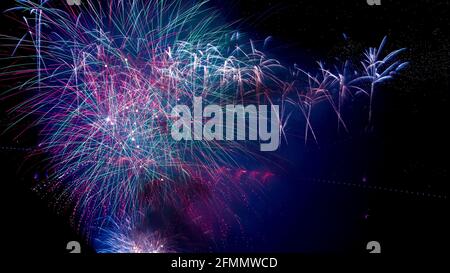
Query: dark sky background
<point x="335" y="196"/>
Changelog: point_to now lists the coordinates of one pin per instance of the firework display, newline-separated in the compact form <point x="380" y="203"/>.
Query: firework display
<point x="100" y="83"/>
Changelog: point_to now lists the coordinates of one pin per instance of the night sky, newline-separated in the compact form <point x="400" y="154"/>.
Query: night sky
<point x="386" y="183"/>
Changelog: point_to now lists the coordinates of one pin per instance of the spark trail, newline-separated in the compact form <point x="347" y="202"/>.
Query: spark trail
<point x="104" y="79"/>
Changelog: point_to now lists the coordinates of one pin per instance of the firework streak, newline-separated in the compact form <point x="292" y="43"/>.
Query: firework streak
<point x="100" y="90"/>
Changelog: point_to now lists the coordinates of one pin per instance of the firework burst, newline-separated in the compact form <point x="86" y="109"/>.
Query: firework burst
<point x="104" y="82"/>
